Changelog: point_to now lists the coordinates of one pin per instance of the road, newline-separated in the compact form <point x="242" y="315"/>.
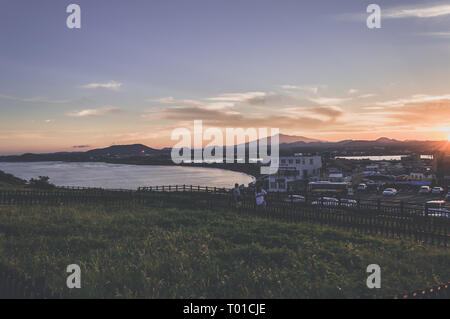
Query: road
<point x="406" y="196"/>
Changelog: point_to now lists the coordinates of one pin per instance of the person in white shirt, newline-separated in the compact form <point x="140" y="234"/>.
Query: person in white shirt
<point x="260" y="197"/>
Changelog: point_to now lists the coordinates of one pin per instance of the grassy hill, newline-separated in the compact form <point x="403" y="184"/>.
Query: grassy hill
<point x="171" y="253"/>
<point x="10" y="181"/>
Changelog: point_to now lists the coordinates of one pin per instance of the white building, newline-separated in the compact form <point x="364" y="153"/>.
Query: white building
<point x="293" y="170"/>
<point x="336" y="177"/>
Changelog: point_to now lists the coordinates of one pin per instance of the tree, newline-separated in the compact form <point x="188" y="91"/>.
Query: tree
<point x="42" y="182"/>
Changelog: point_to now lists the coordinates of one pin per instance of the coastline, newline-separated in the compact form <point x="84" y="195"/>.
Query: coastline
<point x="250" y="169"/>
<point x="72" y="173"/>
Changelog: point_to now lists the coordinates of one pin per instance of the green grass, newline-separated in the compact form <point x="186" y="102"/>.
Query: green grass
<point x="8" y="181"/>
<point x="171" y="253"/>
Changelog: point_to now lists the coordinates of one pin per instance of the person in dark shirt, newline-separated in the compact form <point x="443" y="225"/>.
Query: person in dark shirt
<point x="237" y="197"/>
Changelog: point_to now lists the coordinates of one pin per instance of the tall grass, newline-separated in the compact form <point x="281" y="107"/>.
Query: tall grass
<point x="171" y="253"/>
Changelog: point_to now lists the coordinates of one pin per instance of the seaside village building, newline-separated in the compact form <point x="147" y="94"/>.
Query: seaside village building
<point x="441" y="165"/>
<point x="295" y="172"/>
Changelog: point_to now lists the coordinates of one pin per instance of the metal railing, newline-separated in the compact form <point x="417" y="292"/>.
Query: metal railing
<point x="400" y="220"/>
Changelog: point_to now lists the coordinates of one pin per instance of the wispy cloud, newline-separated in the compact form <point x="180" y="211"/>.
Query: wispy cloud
<point x="289" y="87"/>
<point x="195" y="103"/>
<point x="222" y="101"/>
<point x="24" y="135"/>
<point x="111" y="85"/>
<point x="238" y="97"/>
<point x="417" y="98"/>
<point x="322" y="112"/>
<point x="373" y="108"/>
<point x="441" y="35"/>
<point x="173" y="101"/>
<point x="232" y="102"/>
<point x="365" y="96"/>
<point x="402" y="12"/>
<point x="431" y="114"/>
<point x="37" y="99"/>
<point x="165" y="100"/>
<point x="328" y="100"/>
<point x="94" y="112"/>
<point x="309" y="89"/>
<point x="311" y="114"/>
<point x="223" y="119"/>
<point x="414" y="12"/>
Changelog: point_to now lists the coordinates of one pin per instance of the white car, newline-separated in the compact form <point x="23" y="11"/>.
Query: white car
<point x="362" y="187"/>
<point x="390" y="192"/>
<point x="295" y="199"/>
<point x="424" y="190"/>
<point x="437" y="190"/>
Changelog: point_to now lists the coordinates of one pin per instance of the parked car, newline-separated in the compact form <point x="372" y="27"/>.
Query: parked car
<point x="326" y="201"/>
<point x="447" y="197"/>
<point x="371" y="182"/>
<point x="436" y="208"/>
<point x="295" y="199"/>
<point x="424" y="190"/>
<point x="437" y="191"/>
<point x="362" y="187"/>
<point x="390" y="192"/>
<point x="331" y="201"/>
<point x="348" y="202"/>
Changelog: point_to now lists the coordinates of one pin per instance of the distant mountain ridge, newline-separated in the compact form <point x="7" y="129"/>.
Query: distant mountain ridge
<point x="118" y="150"/>
<point x="288" y="139"/>
<point x="288" y="144"/>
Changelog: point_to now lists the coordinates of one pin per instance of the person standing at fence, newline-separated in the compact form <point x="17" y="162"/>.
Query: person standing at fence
<point x="237" y="197"/>
<point x="260" y="197"/>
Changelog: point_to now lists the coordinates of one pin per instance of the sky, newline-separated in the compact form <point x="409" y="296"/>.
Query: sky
<point x="137" y="70"/>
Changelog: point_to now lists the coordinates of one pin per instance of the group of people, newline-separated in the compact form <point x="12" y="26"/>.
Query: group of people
<point x="260" y="196"/>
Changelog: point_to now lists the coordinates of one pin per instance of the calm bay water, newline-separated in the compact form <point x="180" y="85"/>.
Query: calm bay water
<point x="382" y="157"/>
<point x="124" y="176"/>
<point x="374" y="158"/>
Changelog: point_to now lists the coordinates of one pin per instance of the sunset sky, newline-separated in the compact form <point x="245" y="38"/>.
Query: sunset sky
<point x="138" y="69"/>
